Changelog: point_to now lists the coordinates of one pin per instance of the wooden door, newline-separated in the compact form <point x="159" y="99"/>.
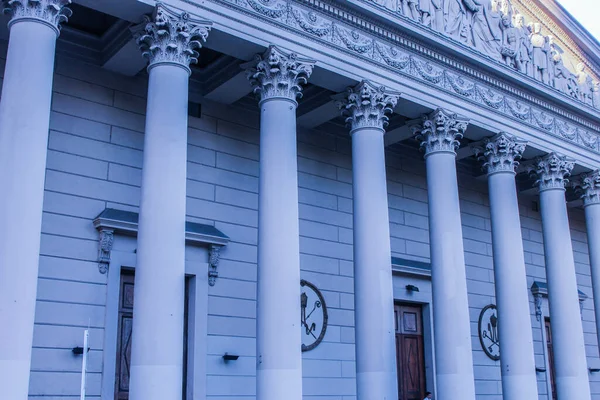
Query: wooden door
<point x="550" y="358"/>
<point x="409" y="352"/>
<point x="124" y="337"/>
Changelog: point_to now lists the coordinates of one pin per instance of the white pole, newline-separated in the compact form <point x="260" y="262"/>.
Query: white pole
<point x="86" y="334"/>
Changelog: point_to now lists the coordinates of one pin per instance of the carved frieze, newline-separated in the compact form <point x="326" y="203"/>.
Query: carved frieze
<point x="278" y="74"/>
<point x="172" y="37"/>
<point x="392" y="50"/>
<point x="440" y="131"/>
<point x="366" y="106"/>
<point x="52" y="12"/>
<point x="501" y="153"/>
<point x="552" y="171"/>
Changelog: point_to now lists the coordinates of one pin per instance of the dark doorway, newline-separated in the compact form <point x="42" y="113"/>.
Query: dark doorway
<point x="126" y="290"/>
<point x="409" y="351"/>
<point x="550" y="357"/>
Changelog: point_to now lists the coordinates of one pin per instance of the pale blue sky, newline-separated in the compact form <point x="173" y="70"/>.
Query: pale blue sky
<point x="587" y="12"/>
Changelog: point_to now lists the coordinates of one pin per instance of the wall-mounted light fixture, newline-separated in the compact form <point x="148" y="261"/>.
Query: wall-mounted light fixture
<point x="540" y="370"/>
<point x="412" y="288"/>
<point x="230" y="357"/>
<point x="594" y="370"/>
<point x="78" y="350"/>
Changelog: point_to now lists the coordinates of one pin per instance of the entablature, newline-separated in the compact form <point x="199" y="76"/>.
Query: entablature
<point x="340" y="34"/>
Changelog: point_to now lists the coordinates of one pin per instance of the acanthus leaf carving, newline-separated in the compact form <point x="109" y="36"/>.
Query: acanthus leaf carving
<point x="276" y="74"/>
<point x="51" y="12"/>
<point x="271" y="8"/>
<point x="214" y="256"/>
<point x="354" y="41"/>
<point x="172" y="37"/>
<point x="552" y="171"/>
<point x="589" y="187"/>
<point x="311" y="23"/>
<point x="440" y="131"/>
<point x="105" y="246"/>
<point x="501" y="153"/>
<point x="393" y="57"/>
<point x="366" y="106"/>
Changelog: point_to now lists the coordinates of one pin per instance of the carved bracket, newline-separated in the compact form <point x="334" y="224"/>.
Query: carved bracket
<point x="104" y="248"/>
<point x="213" y="264"/>
<point x="537" y="298"/>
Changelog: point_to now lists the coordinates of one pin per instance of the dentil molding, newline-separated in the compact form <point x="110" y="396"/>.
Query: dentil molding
<point x="277" y="74"/>
<point x="172" y="37"/>
<point x="50" y="12"/>
<point x="366" y="106"/>
<point x="552" y="171"/>
<point x="440" y="132"/>
<point x="344" y="30"/>
<point x="501" y="153"/>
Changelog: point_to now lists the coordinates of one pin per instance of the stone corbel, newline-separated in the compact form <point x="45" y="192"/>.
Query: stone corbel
<point x="213" y="264"/>
<point x="104" y="248"/>
<point x="537" y="298"/>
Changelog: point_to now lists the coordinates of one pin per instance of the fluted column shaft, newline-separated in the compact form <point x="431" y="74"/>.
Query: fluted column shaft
<point x="440" y="132"/>
<point x="516" y="354"/>
<point x="570" y="364"/>
<point x="24" y="123"/>
<point x="376" y="375"/>
<point x="591" y="198"/>
<point x="277" y="78"/>
<point x="157" y="343"/>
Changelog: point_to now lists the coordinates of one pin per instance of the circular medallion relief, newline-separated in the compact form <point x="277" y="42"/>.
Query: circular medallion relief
<point x="488" y="332"/>
<point x="313" y="315"/>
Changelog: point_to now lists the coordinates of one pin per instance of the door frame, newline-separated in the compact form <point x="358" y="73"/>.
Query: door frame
<point x="123" y="257"/>
<point x="423" y="298"/>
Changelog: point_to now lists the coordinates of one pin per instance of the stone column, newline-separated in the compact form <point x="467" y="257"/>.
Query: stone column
<point x="376" y="376"/>
<point x="570" y="364"/>
<point x="24" y="122"/>
<point x="516" y="353"/>
<point x="277" y="78"/>
<point x="590" y="183"/>
<point x="439" y="133"/>
<point x="169" y="42"/>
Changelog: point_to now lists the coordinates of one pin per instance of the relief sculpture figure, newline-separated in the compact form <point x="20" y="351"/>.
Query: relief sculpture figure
<point x="585" y="84"/>
<point x="564" y="80"/>
<point x="540" y="51"/>
<point x="510" y="44"/>
<point x="525" y="48"/>
<point x="438" y="15"/>
<point x="455" y="15"/>
<point x="389" y="4"/>
<point x="486" y="34"/>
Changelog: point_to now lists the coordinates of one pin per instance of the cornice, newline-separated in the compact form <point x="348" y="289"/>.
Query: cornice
<point x="334" y="27"/>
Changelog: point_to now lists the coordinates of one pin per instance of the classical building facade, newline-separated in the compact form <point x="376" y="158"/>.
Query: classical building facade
<point x="299" y="199"/>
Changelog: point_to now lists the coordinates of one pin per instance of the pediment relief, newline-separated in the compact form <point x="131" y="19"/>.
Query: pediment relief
<point x="515" y="32"/>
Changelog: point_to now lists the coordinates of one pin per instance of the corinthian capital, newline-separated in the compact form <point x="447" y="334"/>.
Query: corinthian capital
<point x="589" y="184"/>
<point x="366" y="106"/>
<point x="501" y="153"/>
<point x="552" y="171"/>
<point x="440" y="131"/>
<point x="172" y="37"/>
<point x="49" y="12"/>
<point x="276" y="74"/>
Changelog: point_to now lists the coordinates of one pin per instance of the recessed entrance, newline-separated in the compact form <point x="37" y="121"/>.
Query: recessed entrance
<point x="409" y="351"/>
<point x="550" y="357"/>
